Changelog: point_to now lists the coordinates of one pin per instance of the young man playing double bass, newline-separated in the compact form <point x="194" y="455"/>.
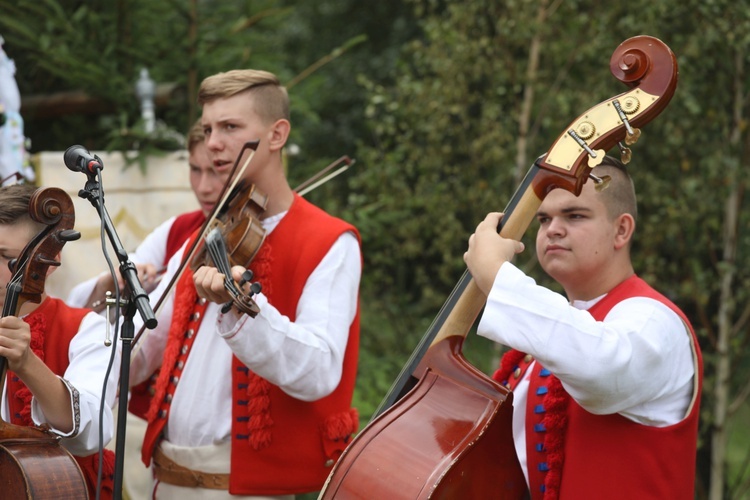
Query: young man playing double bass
<point x="249" y="407"/>
<point x="606" y="380"/>
<point x="56" y="357"/>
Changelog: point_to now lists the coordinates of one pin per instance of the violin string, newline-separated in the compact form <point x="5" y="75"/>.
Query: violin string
<point x="216" y="247"/>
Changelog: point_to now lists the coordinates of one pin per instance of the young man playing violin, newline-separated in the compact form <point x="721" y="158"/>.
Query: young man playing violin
<point x="56" y="356"/>
<point x="607" y="381"/>
<point x="256" y="407"/>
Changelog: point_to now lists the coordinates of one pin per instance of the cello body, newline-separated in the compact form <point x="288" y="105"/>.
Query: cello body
<point x="38" y="468"/>
<point x="459" y="420"/>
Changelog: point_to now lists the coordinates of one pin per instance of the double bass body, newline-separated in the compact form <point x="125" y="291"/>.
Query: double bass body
<point x="458" y="433"/>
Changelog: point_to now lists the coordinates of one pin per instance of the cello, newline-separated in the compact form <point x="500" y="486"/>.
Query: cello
<point x="444" y="430"/>
<point x="33" y="464"/>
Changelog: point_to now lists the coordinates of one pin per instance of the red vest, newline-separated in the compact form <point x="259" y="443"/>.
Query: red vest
<point x="280" y="445"/>
<point x="604" y="456"/>
<point x="57" y="324"/>
<point x="182" y="227"/>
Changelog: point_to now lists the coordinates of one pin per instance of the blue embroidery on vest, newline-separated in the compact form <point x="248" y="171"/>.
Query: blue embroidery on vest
<point x="543" y="467"/>
<point x="539" y="428"/>
<point x="541" y="391"/>
<point x="539" y="409"/>
<point x="544" y="372"/>
<point x="540" y="447"/>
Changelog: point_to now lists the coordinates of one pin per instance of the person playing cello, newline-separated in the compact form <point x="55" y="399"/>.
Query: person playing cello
<point x="607" y="379"/>
<point x="56" y="357"/>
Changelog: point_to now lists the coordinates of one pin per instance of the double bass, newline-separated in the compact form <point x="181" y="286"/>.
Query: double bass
<point x="33" y="464"/>
<point x="444" y="430"/>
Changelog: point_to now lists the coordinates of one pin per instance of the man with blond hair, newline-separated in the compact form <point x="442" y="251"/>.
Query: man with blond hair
<point x="257" y="407"/>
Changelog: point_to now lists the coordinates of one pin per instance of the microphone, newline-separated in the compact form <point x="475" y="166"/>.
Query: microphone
<point x="79" y="159"/>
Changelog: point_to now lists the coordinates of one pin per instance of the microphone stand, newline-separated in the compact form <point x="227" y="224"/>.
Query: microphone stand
<point x="138" y="299"/>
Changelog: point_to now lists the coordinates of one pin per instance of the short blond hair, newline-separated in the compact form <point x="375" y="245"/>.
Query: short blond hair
<point x="270" y="97"/>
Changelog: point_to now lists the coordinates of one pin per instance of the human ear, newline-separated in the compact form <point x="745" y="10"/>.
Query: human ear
<point x="278" y="134"/>
<point x="624" y="228"/>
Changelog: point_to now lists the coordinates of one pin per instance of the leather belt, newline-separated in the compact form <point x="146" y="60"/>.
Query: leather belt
<point x="168" y="471"/>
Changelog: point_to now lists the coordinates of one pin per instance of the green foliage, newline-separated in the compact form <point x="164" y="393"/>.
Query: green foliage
<point x="444" y="134"/>
<point x="428" y="96"/>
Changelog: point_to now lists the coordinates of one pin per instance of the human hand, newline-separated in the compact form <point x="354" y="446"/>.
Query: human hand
<point x="148" y="275"/>
<point x="209" y="283"/>
<point x="15" y="339"/>
<point x="488" y="251"/>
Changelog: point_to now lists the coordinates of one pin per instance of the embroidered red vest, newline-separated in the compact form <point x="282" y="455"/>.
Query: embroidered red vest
<point x="574" y="454"/>
<point x="182" y="227"/>
<point x="280" y="445"/>
<point x="53" y="325"/>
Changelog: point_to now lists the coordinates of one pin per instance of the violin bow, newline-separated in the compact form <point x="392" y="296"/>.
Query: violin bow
<point x="325" y="175"/>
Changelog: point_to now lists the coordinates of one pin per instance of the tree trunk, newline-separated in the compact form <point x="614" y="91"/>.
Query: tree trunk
<point x="528" y="94"/>
<point x="726" y="301"/>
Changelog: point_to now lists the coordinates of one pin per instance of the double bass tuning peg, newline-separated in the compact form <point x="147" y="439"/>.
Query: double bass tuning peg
<point x="601" y="182"/>
<point x="626" y="154"/>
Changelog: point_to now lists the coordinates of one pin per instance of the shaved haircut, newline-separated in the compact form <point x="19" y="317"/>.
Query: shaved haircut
<point x="619" y="196"/>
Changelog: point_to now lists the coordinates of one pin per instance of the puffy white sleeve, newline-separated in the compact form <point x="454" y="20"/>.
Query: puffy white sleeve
<point x="305" y="357"/>
<point x="637" y="362"/>
<point x="85" y="378"/>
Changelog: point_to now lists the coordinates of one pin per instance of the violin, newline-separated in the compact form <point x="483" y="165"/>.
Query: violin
<point x="444" y="430"/>
<point x="234" y="237"/>
<point x="33" y="464"/>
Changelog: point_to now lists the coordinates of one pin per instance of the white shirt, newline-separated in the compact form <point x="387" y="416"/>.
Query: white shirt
<point x="638" y="362"/>
<point x="88" y="363"/>
<point x="304" y="358"/>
